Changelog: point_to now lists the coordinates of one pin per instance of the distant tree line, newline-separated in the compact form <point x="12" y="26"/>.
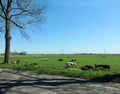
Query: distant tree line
<point x="17" y="53"/>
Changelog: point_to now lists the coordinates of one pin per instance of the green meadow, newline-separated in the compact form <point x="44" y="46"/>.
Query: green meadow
<point x="38" y="64"/>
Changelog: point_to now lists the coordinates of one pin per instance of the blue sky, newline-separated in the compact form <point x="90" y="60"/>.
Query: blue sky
<point x="74" y="26"/>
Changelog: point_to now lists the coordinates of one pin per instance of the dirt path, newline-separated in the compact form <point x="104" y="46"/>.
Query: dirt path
<point x="14" y="82"/>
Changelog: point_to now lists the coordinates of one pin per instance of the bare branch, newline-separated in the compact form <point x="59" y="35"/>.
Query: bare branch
<point x="33" y="21"/>
<point x="2" y="7"/>
<point x="2" y="29"/>
<point x="16" y="24"/>
<point x="2" y="16"/>
<point x="24" y="34"/>
<point x="9" y="5"/>
<point x="15" y="15"/>
<point x="12" y="22"/>
<point x="24" y="10"/>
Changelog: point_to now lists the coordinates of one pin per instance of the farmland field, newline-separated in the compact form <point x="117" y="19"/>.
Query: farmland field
<point x="50" y="64"/>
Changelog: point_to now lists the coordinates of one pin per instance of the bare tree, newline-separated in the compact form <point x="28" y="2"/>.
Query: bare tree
<point x="19" y="14"/>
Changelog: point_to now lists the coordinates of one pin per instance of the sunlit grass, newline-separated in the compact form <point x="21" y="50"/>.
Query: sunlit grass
<point x="53" y="66"/>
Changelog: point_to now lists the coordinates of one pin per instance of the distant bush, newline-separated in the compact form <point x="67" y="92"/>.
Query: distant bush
<point x="60" y="59"/>
<point x="23" y="53"/>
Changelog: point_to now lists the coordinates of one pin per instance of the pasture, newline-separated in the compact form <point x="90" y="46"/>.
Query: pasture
<point x="55" y="65"/>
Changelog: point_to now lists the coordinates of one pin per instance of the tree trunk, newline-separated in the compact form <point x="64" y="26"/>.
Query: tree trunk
<point x="7" y="42"/>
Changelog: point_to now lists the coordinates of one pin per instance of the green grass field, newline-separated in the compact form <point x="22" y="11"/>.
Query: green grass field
<point x="55" y="67"/>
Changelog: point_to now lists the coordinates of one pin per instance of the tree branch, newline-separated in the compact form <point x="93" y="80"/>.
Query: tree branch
<point x="2" y="16"/>
<point x="12" y="22"/>
<point x="22" y="9"/>
<point x="16" y="24"/>
<point x="2" y="6"/>
<point x="9" y="5"/>
<point x="15" y="15"/>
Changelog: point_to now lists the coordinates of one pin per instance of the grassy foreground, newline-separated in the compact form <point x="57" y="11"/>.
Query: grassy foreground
<point x="40" y="65"/>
